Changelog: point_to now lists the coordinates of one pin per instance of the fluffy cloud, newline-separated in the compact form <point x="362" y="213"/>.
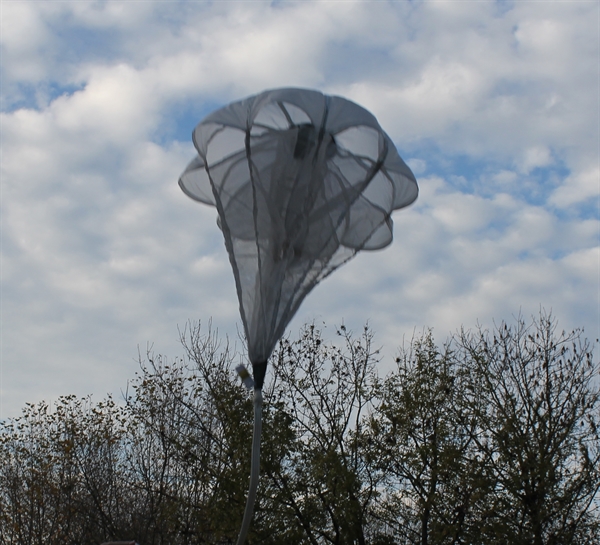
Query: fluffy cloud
<point x="493" y="104"/>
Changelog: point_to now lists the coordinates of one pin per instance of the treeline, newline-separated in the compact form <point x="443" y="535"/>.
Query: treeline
<point x="491" y="438"/>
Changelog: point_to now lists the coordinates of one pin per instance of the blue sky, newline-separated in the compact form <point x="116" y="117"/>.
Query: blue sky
<point x="495" y="105"/>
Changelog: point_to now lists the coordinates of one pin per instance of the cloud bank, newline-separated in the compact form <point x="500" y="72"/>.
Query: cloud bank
<point x="495" y="105"/>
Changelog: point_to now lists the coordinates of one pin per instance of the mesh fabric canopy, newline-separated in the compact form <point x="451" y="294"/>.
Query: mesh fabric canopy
<point x="301" y="182"/>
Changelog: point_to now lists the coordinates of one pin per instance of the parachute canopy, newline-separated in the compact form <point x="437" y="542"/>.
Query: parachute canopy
<point x="301" y="182"/>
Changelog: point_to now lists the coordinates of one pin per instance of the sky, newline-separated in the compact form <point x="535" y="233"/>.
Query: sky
<point x="493" y="104"/>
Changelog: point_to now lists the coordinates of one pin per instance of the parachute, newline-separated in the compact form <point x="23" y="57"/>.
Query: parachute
<point x="301" y="181"/>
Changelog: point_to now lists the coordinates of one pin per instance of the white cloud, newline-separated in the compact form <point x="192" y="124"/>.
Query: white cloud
<point x="102" y="252"/>
<point x="578" y="187"/>
<point x="418" y="166"/>
<point x="534" y="157"/>
<point x="24" y="38"/>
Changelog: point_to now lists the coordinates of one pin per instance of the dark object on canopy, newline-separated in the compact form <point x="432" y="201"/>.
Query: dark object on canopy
<point x="301" y="182"/>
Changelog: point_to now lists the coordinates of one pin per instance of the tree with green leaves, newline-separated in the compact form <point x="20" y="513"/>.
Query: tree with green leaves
<point x="62" y="474"/>
<point x="535" y="397"/>
<point x="421" y="441"/>
<point x="326" y="391"/>
<point x="491" y="438"/>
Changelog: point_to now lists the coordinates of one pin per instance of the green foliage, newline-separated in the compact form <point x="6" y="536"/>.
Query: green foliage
<point x="61" y="473"/>
<point x="534" y="396"/>
<point x="489" y="439"/>
<point x="423" y="446"/>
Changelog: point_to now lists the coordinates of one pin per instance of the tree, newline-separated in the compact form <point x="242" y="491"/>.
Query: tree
<point x="189" y="421"/>
<point x="61" y="477"/>
<point x="325" y="483"/>
<point x="421" y="440"/>
<point x="489" y="439"/>
<point x="534" y="394"/>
